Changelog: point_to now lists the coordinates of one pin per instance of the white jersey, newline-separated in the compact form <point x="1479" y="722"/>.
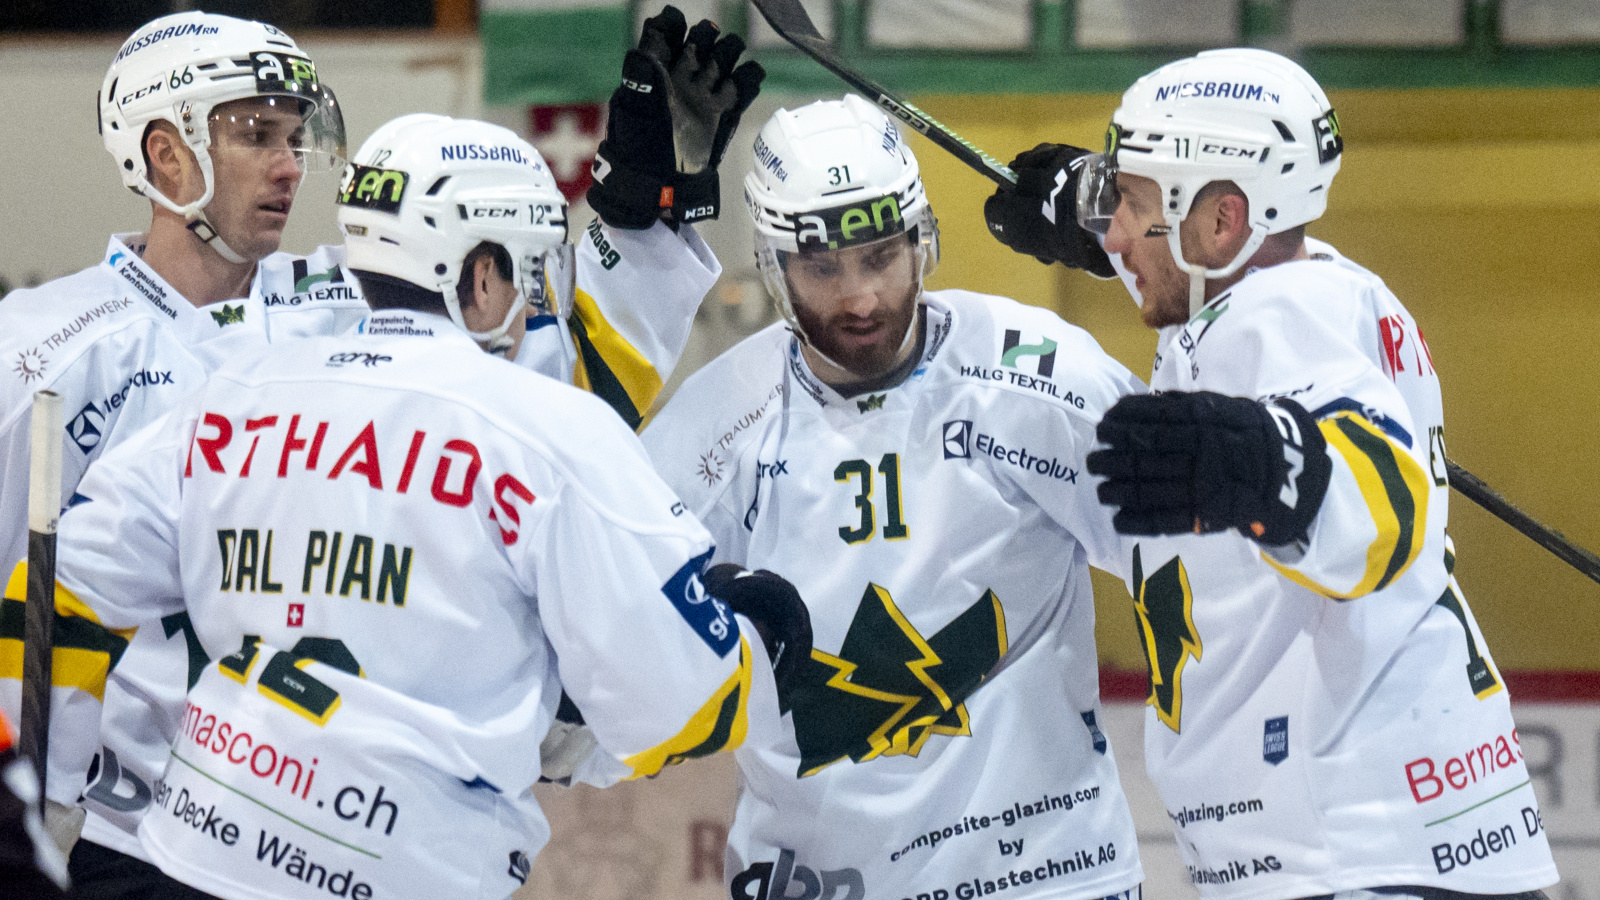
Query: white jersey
<point x="636" y="327"/>
<point x="120" y="346"/>
<point x="395" y="571"/>
<point x="1329" y="717"/>
<point x="945" y="740"/>
<point x="637" y="292"/>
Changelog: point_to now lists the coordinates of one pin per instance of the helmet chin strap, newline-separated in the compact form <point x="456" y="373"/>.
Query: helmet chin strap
<point x="202" y="228"/>
<point x="496" y="341"/>
<point x="1198" y="274"/>
<point x="194" y="213"/>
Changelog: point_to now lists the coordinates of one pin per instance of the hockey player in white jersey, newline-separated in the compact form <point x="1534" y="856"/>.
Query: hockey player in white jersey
<point x="619" y="333"/>
<point x="1324" y="715"/>
<point x="397" y="549"/>
<point x="913" y="461"/>
<point x="215" y="121"/>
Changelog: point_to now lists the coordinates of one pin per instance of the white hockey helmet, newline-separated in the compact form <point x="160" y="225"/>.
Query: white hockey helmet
<point x="425" y="190"/>
<point x="179" y="68"/>
<point x="830" y="175"/>
<point x="1244" y="115"/>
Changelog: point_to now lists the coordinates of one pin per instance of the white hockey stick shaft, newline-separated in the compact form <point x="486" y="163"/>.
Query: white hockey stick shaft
<point x="44" y="512"/>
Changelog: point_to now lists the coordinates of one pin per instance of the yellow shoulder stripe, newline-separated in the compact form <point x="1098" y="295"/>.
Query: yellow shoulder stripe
<point x="720" y="724"/>
<point x="85" y="651"/>
<point x="1395" y="489"/>
<point x="608" y="366"/>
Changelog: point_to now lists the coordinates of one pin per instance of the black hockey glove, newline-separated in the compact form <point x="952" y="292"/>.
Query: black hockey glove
<point x="1201" y="462"/>
<point x="774" y="606"/>
<point x="1039" y="216"/>
<point x="671" y="120"/>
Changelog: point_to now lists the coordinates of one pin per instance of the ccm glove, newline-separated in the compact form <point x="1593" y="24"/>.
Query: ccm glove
<point x="1201" y="462"/>
<point x="1039" y="216"/>
<point x="681" y="98"/>
<point x="774" y="606"/>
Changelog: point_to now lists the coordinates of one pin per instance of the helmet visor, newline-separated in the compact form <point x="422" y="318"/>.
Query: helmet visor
<point x="308" y="125"/>
<point x="1098" y="196"/>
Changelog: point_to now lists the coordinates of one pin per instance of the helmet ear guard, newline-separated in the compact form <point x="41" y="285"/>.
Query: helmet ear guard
<point x="1243" y="115"/>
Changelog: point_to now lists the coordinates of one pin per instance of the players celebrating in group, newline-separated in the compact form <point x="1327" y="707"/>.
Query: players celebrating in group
<point x="338" y="561"/>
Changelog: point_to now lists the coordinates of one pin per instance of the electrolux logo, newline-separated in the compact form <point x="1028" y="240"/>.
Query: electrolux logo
<point x="958" y="439"/>
<point x="84" y="429"/>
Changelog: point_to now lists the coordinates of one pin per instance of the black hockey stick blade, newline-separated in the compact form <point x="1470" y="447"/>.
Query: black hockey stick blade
<point x="789" y="19"/>
<point x="1487" y="497"/>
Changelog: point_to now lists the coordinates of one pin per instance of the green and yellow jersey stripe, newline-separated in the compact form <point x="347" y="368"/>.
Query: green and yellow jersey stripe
<point x="608" y="366"/>
<point x="1395" y="489"/>
<point x="85" y="651"/>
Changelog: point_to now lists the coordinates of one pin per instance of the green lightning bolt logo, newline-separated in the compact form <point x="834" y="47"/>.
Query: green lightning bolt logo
<point x="889" y="689"/>
<point x="1163" y="604"/>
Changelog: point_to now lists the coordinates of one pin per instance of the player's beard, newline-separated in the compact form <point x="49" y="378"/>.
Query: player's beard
<point x="864" y="361"/>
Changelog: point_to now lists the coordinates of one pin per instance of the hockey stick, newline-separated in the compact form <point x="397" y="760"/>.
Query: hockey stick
<point x="789" y="19"/>
<point x="44" y="511"/>
<point x="1487" y="497"/>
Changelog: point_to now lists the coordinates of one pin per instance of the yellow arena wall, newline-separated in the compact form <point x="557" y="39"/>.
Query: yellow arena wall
<point x="1481" y="209"/>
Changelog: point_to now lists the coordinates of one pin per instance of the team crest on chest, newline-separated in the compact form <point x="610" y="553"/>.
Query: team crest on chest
<point x="889" y="689"/>
<point x="1164" y="606"/>
<point x="873" y="401"/>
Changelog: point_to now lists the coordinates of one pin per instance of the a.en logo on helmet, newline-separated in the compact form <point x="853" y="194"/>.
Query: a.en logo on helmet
<point x="844" y="226"/>
<point x="367" y="187"/>
<point x="275" y="70"/>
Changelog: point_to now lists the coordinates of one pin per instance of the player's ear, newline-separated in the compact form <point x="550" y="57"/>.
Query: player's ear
<point x="1225" y="226"/>
<point x="484" y="279"/>
<point x="173" y="168"/>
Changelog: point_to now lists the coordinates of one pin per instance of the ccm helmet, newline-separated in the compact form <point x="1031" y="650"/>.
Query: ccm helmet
<point x="1243" y="115"/>
<point x="425" y="190"/>
<point x="832" y="175"/>
<point x="179" y="68"/>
